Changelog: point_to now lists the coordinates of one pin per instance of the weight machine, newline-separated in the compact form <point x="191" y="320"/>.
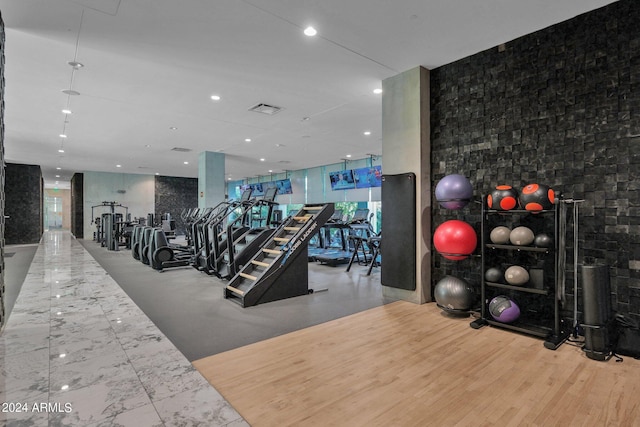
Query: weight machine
<point x="109" y="225"/>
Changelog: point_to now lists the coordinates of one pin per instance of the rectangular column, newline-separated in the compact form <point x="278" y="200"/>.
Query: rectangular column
<point x="406" y="148"/>
<point x="211" y="183"/>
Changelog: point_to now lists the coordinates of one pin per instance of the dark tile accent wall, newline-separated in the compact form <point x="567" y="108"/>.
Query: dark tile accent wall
<point x="23" y="203"/>
<point x="173" y="194"/>
<point x="77" y="205"/>
<point x="2" y="175"/>
<point x="561" y="107"/>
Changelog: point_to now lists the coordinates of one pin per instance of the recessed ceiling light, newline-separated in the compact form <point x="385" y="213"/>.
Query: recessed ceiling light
<point x="118" y="166"/>
<point x="228" y="179"/>
<point x="186" y="163"/>
<point x="57" y="176"/>
<point x="58" y="169"/>
<point x="310" y="31"/>
<point x="157" y="173"/>
<point x="367" y="133"/>
<point x="377" y="91"/>
<point x="148" y="145"/>
<point x="348" y="156"/>
<point x="247" y="140"/>
<point x="61" y="151"/>
<point x="62" y="135"/>
<point x="215" y="97"/>
<point x="173" y="128"/>
<point x="66" y="111"/>
<point x="65" y="387"/>
<point x="262" y="160"/>
<point x="270" y="170"/>
<point x="76" y="64"/>
<point x="62" y="355"/>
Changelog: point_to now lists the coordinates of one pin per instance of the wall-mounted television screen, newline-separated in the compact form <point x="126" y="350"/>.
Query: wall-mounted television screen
<point x="284" y="186"/>
<point x="257" y="190"/>
<point x="342" y="180"/>
<point x="368" y="177"/>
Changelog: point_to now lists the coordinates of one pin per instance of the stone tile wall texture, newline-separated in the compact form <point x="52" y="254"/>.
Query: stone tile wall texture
<point x="23" y="204"/>
<point x="559" y="106"/>
<point x="77" y="205"/>
<point x="173" y="194"/>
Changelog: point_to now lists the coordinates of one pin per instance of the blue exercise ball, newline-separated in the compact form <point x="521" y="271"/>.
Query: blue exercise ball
<point x="454" y="191"/>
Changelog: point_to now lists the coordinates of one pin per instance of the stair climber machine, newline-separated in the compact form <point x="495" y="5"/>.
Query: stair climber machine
<point x="280" y="269"/>
<point x="211" y="235"/>
<point x="250" y="236"/>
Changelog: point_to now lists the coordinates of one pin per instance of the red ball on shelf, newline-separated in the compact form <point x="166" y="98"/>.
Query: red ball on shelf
<point x="537" y="197"/>
<point x="503" y="198"/>
<point x="455" y="239"/>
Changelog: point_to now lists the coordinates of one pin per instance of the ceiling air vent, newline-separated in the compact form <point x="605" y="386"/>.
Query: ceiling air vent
<point x="181" y="150"/>
<point x="265" y="109"/>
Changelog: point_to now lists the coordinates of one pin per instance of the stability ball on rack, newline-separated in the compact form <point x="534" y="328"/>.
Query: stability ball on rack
<point x="454" y="191"/>
<point x="493" y="274"/>
<point x="503" y="198"/>
<point x="500" y="235"/>
<point x="454" y="293"/>
<point x="455" y="239"/>
<point x="543" y="241"/>
<point x="504" y="309"/>
<point x="537" y="197"/>
<point x="521" y="236"/>
<point x="516" y="275"/>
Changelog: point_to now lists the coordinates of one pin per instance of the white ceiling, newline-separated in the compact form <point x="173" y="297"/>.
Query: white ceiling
<point x="153" y="64"/>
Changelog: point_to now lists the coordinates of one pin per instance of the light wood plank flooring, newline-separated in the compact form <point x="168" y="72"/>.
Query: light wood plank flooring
<point x="404" y="364"/>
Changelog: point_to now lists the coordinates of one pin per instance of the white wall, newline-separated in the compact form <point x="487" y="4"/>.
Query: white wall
<point x="137" y="192"/>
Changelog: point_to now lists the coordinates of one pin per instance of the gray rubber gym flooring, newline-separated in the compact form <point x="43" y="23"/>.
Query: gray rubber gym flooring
<point x="189" y="308"/>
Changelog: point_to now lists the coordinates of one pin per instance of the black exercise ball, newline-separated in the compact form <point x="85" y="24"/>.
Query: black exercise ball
<point x="454" y="293"/>
<point x="543" y="241"/>
<point x="494" y="275"/>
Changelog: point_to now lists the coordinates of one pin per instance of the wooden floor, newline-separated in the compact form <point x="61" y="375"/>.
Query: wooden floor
<point x="404" y="364"/>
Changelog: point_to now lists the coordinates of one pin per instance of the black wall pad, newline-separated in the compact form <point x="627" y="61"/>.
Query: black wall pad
<point x="399" y="231"/>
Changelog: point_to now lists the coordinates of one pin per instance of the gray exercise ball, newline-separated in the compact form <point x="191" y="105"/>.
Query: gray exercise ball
<point x="494" y="275"/>
<point x="454" y="293"/>
<point x="500" y="235"/>
<point x="543" y="241"/>
<point x="521" y="236"/>
<point x="516" y="275"/>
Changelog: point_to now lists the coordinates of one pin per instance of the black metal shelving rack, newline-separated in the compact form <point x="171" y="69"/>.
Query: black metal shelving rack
<point x="550" y="329"/>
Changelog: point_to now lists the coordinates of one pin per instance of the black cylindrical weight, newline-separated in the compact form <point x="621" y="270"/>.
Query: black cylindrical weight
<point x="596" y="308"/>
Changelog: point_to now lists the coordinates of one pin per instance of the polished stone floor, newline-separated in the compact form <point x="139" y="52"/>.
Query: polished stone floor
<point x="76" y="351"/>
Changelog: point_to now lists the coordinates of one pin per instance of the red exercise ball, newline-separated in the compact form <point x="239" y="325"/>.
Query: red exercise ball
<point x="455" y="239"/>
<point x="503" y="198"/>
<point x="537" y="197"/>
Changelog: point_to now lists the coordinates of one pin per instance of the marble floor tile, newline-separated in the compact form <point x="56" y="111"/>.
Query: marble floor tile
<point x="115" y="360"/>
<point x="168" y="379"/>
<point x="23" y="339"/>
<point x="26" y="371"/>
<point x="98" y="401"/>
<point x="202" y="406"/>
<point x="90" y="371"/>
<point x="77" y="348"/>
<point x="144" y="416"/>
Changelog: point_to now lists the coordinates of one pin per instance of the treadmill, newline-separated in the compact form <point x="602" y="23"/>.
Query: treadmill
<point x="342" y="255"/>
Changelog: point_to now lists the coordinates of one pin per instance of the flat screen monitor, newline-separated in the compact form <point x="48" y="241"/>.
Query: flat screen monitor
<point x="368" y="177"/>
<point x="342" y="180"/>
<point x="284" y="186"/>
